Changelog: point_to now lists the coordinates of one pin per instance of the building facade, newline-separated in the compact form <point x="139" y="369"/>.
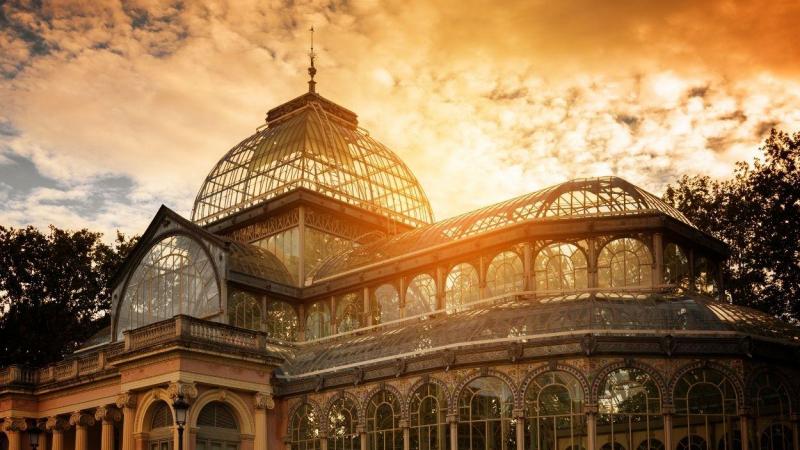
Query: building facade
<point x="312" y="302"/>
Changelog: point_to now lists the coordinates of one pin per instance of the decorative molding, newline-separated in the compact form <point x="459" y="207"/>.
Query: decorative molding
<point x="126" y="400"/>
<point x="182" y="389"/>
<point x="14" y="424"/>
<point x="264" y="400"/>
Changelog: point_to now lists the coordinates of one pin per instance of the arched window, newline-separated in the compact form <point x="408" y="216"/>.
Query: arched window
<point x="160" y="434"/>
<point x="560" y="267"/>
<point x="676" y="266"/>
<point x="461" y="286"/>
<point x="429" y="428"/>
<point x="705" y="276"/>
<point x="282" y="322"/>
<point x="484" y="416"/>
<point x="174" y="277"/>
<point x="505" y="274"/>
<point x="318" y="321"/>
<point x="304" y="429"/>
<point x="349" y="312"/>
<point x="244" y="310"/>
<point x="421" y="295"/>
<point x="629" y="408"/>
<point x="554" y="412"/>
<point x="624" y="262"/>
<point x="342" y="425"/>
<point x="383" y="422"/>
<point x="217" y="428"/>
<point x="387" y="303"/>
<point x="705" y="408"/>
<point x="773" y="413"/>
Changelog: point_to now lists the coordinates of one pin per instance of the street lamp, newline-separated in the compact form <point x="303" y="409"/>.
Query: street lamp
<point x="33" y="436"/>
<point x="181" y="406"/>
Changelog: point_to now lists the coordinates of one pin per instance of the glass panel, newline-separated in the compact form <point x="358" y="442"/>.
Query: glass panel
<point x="461" y="286"/>
<point x="244" y="310"/>
<point x="485" y="422"/>
<point x="705" y="276"/>
<point x="705" y="412"/>
<point x="429" y="429"/>
<point x="387" y="304"/>
<point x="342" y="422"/>
<point x="349" y="312"/>
<point x="383" y="422"/>
<point x="554" y="416"/>
<point x="629" y="409"/>
<point x="318" y="321"/>
<point x="174" y="277"/>
<point x="676" y="266"/>
<point x="318" y="246"/>
<point x="624" y="262"/>
<point x="285" y="245"/>
<point x="282" y="321"/>
<point x="304" y="429"/>
<point x="560" y="267"/>
<point x="505" y="274"/>
<point x="773" y="426"/>
<point x="421" y="295"/>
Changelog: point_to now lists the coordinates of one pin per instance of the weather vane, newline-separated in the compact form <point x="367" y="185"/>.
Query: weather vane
<point x="312" y="70"/>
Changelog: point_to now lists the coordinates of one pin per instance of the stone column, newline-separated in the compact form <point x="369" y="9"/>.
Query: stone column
<point x="127" y="403"/>
<point x="452" y="419"/>
<point x="13" y="426"/>
<point x="57" y="426"/>
<point x="81" y="421"/>
<point x="263" y="402"/>
<point x="519" y="419"/>
<point x="667" y="412"/>
<point x="406" y="434"/>
<point x="362" y="434"/>
<point x="591" y="426"/>
<point x="107" y="415"/>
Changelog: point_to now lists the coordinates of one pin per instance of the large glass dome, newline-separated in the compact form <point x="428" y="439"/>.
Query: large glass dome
<point x="314" y="144"/>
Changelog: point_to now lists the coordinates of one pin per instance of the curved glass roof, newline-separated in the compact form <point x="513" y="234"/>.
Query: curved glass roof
<point x="586" y="197"/>
<point x="314" y="144"/>
<point x="526" y="318"/>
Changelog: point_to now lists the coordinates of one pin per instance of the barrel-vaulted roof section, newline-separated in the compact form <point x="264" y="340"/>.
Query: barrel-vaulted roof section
<point x="315" y="144"/>
<point x="587" y="197"/>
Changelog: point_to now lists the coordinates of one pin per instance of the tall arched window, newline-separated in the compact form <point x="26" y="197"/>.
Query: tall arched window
<point x="624" y="262"/>
<point x="560" y="267"/>
<point x="174" y="277"/>
<point x="773" y="413"/>
<point x="505" y="274"/>
<point x="387" y="303"/>
<point x="349" y="312"/>
<point x="705" y="407"/>
<point x="629" y="408"/>
<point x="342" y="425"/>
<point x="318" y="321"/>
<point x="282" y="322"/>
<point x="421" y="295"/>
<point x="429" y="428"/>
<point x="304" y="429"/>
<point x="217" y="428"/>
<point x="705" y="276"/>
<point x="160" y="434"/>
<point x="461" y="286"/>
<point x="676" y="266"/>
<point x="554" y="412"/>
<point x="383" y="422"/>
<point x="484" y="416"/>
<point x="244" y="310"/>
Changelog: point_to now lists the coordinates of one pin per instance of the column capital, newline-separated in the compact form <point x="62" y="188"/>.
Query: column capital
<point x="264" y="400"/>
<point x="182" y="389"/>
<point x="518" y="413"/>
<point x="402" y="423"/>
<point x="81" y="419"/>
<point x="126" y="400"/>
<point x="12" y="424"/>
<point x="55" y="423"/>
<point x="452" y="418"/>
<point x="107" y="414"/>
<point x="590" y="409"/>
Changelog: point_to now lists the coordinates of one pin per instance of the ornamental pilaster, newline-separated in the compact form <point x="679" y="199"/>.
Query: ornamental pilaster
<point x="182" y="389"/>
<point x="264" y="400"/>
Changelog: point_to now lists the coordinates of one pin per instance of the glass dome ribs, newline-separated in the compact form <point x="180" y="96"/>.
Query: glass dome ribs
<point x="314" y="144"/>
<point x="586" y="197"/>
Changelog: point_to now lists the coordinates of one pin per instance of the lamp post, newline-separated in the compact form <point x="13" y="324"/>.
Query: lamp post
<point x="33" y="436"/>
<point x="181" y="406"/>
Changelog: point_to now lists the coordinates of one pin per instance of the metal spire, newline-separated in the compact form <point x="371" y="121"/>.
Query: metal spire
<point x="311" y="69"/>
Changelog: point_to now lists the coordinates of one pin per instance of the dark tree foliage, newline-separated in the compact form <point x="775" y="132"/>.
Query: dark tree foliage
<point x="54" y="291"/>
<point x="757" y="213"/>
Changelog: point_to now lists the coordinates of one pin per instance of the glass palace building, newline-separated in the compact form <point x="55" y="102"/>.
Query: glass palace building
<point x="312" y="302"/>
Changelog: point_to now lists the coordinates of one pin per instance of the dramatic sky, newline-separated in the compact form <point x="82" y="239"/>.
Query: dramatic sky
<point x="109" y="108"/>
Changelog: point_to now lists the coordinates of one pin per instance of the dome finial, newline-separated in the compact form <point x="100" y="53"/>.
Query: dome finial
<point x="311" y="69"/>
